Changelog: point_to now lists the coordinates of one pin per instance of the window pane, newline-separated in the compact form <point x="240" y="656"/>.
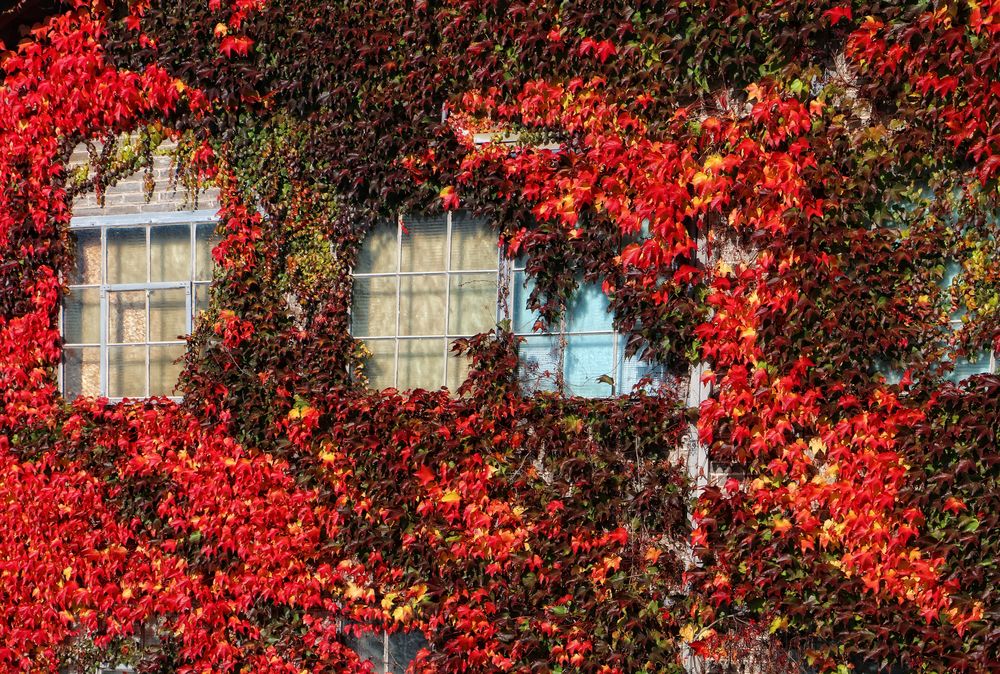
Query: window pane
<point x="127" y="317"/>
<point x="168" y="315"/>
<point x="421" y="363"/>
<point x="472" y="304"/>
<point x="458" y="370"/>
<point x="473" y="244"/>
<point x="631" y="370"/>
<point x="81" y="371"/>
<point x="170" y="253"/>
<point x="126" y="371"/>
<point x="587" y="358"/>
<point x="424" y="244"/>
<point x="421" y="305"/>
<point x="379" y="252"/>
<point x="522" y="320"/>
<point x="201" y="298"/>
<point x="587" y="310"/>
<point x="380" y="368"/>
<point x="205" y="239"/>
<point x="374" y="309"/>
<point x="539" y="362"/>
<point x="87" y="270"/>
<point x="403" y="649"/>
<point x="370" y="647"/>
<point x="966" y="367"/>
<point x="82" y="316"/>
<point x="164" y="369"/>
<point x="126" y="255"/>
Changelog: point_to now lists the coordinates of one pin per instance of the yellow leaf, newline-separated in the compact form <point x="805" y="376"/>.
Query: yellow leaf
<point x="402" y="614"/>
<point x="688" y="632"/>
<point x="67" y="572"/>
<point x="451" y="497"/>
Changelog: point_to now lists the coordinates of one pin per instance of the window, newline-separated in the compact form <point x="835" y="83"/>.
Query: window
<point x="136" y="286"/>
<point x="418" y="286"/>
<point x="388" y="653"/>
<point x="422" y="283"/>
<point x="982" y="363"/>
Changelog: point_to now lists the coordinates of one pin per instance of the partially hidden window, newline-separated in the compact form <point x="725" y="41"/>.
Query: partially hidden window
<point x="582" y="352"/>
<point x="133" y="294"/>
<point x="983" y="362"/>
<point x="423" y="282"/>
<point x="419" y="284"/>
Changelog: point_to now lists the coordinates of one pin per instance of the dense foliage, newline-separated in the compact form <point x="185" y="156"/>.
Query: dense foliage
<point x="775" y="189"/>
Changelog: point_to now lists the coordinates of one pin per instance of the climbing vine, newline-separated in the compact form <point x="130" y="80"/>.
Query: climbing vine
<point x="776" y="193"/>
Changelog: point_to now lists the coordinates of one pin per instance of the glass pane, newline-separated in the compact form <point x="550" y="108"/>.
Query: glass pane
<point x="126" y="371"/>
<point x="539" y="362"/>
<point x="170" y="253"/>
<point x="424" y="243"/>
<point x="631" y="370"/>
<point x="81" y="372"/>
<point x="966" y="367"/>
<point x="126" y="255"/>
<point x="473" y="244"/>
<point x="370" y="647"/>
<point x="168" y="315"/>
<point x="380" y="368"/>
<point x="164" y="368"/>
<point x="403" y="649"/>
<point x="87" y="270"/>
<point x="421" y="363"/>
<point x="587" y="310"/>
<point x="82" y="316"/>
<point x="379" y="253"/>
<point x="458" y="370"/>
<point x="589" y="357"/>
<point x="201" y="298"/>
<point x="205" y="239"/>
<point x="522" y="320"/>
<point x="472" y="304"/>
<point x="421" y="305"/>
<point x="127" y="317"/>
<point x="374" y="309"/>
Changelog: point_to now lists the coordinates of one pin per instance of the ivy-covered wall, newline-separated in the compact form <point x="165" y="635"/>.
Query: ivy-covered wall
<point x="846" y="152"/>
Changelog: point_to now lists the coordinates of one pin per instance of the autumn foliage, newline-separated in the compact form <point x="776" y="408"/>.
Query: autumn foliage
<point x="774" y="190"/>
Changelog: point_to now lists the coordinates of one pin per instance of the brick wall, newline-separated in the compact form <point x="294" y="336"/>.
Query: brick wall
<point x="128" y="196"/>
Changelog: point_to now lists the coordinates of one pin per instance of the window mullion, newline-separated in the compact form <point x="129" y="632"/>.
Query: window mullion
<point x="399" y="268"/>
<point x="447" y="292"/>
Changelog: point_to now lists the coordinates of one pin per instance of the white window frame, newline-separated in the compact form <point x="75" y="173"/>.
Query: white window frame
<point x="148" y="221"/>
<point x="505" y="274"/>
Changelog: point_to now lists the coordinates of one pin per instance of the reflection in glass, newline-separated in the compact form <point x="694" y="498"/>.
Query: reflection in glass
<point x="472" y="303"/>
<point x="421" y="363"/>
<point x="587" y="310"/>
<point x="81" y="371"/>
<point x="421" y="305"/>
<point x="378" y="254"/>
<point x="539" y="362"/>
<point x="168" y="314"/>
<point x="589" y="357"/>
<point x="205" y="239"/>
<point x="87" y="270"/>
<point x="82" y="316"/>
<point x="424" y="244"/>
<point x="380" y="368"/>
<point x="473" y="244"/>
<point x="126" y="371"/>
<point x="164" y="368"/>
<point x="126" y="255"/>
<point x="127" y="317"/>
<point x="373" y="312"/>
<point x="170" y="253"/>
